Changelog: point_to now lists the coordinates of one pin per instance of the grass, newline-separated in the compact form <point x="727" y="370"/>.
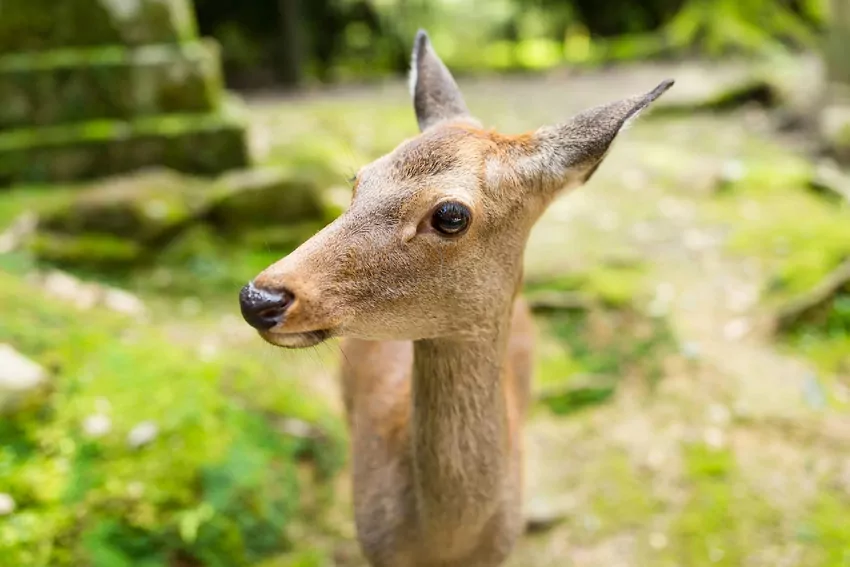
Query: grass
<point x="217" y="484"/>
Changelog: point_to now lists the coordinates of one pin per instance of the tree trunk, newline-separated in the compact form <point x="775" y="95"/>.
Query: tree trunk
<point x="289" y="68"/>
<point x="835" y="113"/>
<point x="838" y="40"/>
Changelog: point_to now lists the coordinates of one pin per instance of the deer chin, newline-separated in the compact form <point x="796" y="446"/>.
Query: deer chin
<point x="296" y="340"/>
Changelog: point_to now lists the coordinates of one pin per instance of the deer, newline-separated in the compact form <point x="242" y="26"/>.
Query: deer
<point x="420" y="279"/>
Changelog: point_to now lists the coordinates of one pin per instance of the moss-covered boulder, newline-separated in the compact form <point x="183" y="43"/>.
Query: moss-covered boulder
<point x="133" y="218"/>
<point x="204" y="144"/>
<point x="114" y="82"/>
<point x="36" y="25"/>
<point x="143" y="208"/>
<point x="263" y="197"/>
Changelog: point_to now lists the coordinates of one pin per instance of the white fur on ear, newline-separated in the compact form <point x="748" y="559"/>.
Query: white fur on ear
<point x="412" y="75"/>
<point x="630" y="120"/>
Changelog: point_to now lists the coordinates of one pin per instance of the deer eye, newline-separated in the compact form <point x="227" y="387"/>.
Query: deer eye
<point x="450" y="218"/>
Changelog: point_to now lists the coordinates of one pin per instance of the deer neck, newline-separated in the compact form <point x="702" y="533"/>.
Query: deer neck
<point x="460" y="434"/>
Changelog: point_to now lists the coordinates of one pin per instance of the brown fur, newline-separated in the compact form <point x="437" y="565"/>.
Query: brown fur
<point x="438" y="345"/>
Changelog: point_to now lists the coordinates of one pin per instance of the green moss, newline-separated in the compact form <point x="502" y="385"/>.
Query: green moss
<point x="144" y="207"/>
<point x="201" y="254"/>
<point x="787" y="222"/>
<point x="217" y="485"/>
<point x="266" y="197"/>
<point x="620" y="498"/>
<point x="585" y="355"/>
<point x="96" y="250"/>
<point x="613" y="285"/>
<point x="724" y="521"/>
<point x="36" y="25"/>
<point x="110" y="82"/>
<point x="201" y="144"/>
<point x="824" y="530"/>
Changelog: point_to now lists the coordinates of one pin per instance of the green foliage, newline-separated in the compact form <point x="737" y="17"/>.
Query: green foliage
<point x="587" y="351"/>
<point x="36" y="25"/>
<point x="357" y="39"/>
<point x="723" y="519"/>
<point x="92" y="149"/>
<point x="216" y="485"/>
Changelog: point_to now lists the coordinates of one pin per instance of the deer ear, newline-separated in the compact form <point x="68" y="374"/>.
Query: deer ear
<point x="436" y="96"/>
<point x="555" y="156"/>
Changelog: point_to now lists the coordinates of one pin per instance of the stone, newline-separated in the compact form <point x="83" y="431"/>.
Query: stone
<point x="114" y="82"/>
<point x="97" y="425"/>
<point x="38" y="25"/>
<point x="140" y="208"/>
<point x="95" y="149"/>
<point x="266" y="197"/>
<point x="142" y="434"/>
<point x="20" y="378"/>
<point x="7" y="504"/>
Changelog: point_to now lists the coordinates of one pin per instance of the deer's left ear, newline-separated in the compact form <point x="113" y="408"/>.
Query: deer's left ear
<point x="436" y="96"/>
<point x="569" y="153"/>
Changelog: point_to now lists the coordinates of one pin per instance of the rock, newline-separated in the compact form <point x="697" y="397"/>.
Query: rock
<point x="17" y="233"/>
<point x="85" y="295"/>
<point x="94" y="250"/>
<point x="142" y="434"/>
<point x="263" y="197"/>
<point x="736" y="329"/>
<point x="39" y="25"/>
<point x="79" y="151"/>
<point x="111" y="82"/>
<point x="20" y="378"/>
<point x="128" y="220"/>
<point x="122" y="301"/>
<point x="141" y="208"/>
<point x="97" y="425"/>
<point x="7" y="504"/>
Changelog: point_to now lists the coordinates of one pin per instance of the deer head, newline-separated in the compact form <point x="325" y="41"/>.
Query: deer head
<point x="432" y="243"/>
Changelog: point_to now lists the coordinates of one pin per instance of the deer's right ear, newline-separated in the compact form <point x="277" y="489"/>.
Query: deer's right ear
<point x="436" y="96"/>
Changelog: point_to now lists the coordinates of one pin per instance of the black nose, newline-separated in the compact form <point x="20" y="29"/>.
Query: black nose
<point x="263" y="309"/>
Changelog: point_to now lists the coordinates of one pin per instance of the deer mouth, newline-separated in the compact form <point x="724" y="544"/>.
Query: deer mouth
<point x="296" y="340"/>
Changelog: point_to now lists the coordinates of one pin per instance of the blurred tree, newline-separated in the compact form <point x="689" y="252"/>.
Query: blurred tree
<point x="291" y="41"/>
<point x="838" y="40"/>
<point x="291" y="56"/>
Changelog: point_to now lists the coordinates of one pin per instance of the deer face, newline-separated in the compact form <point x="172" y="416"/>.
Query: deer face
<point x="432" y="243"/>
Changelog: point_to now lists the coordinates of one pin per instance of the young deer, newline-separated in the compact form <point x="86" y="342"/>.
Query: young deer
<point x="421" y="277"/>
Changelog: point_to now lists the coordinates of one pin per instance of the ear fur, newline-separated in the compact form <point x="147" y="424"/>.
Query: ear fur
<point x="572" y="151"/>
<point x="436" y="96"/>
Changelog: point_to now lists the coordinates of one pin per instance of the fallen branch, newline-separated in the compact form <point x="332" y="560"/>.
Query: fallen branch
<point x="807" y="305"/>
<point x="831" y="180"/>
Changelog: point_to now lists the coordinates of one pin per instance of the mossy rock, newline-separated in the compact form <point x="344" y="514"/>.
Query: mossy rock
<point x="37" y="25"/>
<point x="114" y="82"/>
<point x="141" y="208"/>
<point x="266" y="197"/>
<point x="132" y="219"/>
<point x="204" y="144"/>
<point x="92" y="250"/>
